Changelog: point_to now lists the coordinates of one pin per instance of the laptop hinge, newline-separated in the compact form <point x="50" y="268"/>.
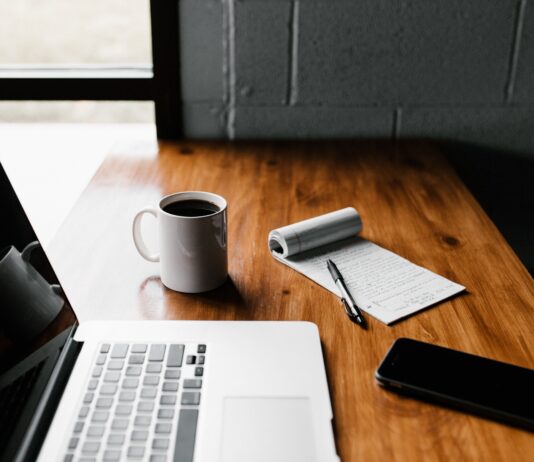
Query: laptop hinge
<point x="44" y="413"/>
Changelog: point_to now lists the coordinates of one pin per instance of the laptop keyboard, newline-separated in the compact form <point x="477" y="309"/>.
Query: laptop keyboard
<point x="141" y="403"/>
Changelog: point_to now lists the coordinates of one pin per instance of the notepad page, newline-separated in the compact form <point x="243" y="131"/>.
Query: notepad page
<point x="384" y="284"/>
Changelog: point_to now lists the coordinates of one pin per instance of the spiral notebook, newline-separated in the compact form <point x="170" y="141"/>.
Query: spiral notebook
<point x="383" y="284"/>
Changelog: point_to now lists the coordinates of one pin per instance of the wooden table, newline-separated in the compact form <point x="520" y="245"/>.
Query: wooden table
<point x="411" y="202"/>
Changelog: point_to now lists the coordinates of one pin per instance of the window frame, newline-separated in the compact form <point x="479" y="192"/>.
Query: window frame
<point x="160" y="82"/>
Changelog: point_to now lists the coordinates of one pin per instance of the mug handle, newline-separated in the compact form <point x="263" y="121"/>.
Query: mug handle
<point x="27" y="252"/>
<point x="138" y="238"/>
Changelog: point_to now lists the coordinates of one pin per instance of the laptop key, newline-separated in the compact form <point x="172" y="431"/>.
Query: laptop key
<point x="78" y="427"/>
<point x="111" y="455"/>
<point x="136" y="359"/>
<point x="145" y="406"/>
<point x="191" y="359"/>
<point x="154" y="368"/>
<point x="130" y="383"/>
<point x="91" y="447"/>
<point x="133" y="371"/>
<point x="172" y="374"/>
<point x="100" y="360"/>
<point x="126" y="396"/>
<point x="167" y="399"/>
<point x="115" y="365"/>
<point x="108" y="389"/>
<point x="100" y="416"/>
<point x="139" y="348"/>
<point x="142" y="421"/>
<point x="162" y="428"/>
<point x="199" y="371"/>
<point x="157" y="352"/>
<point x="104" y="403"/>
<point x="83" y="412"/>
<point x="201" y="359"/>
<point x="116" y="439"/>
<point x="201" y="349"/>
<point x="119" y="350"/>
<point x="119" y="424"/>
<point x="124" y="409"/>
<point x="149" y="392"/>
<point x="193" y="383"/>
<point x="160" y="443"/>
<point x="95" y="430"/>
<point x="136" y="451"/>
<point x="166" y="414"/>
<point x="185" y="435"/>
<point x="158" y="458"/>
<point x="73" y="443"/>
<point x="175" y="357"/>
<point x="112" y="376"/>
<point x="104" y="348"/>
<point x="92" y="384"/>
<point x="151" y="380"/>
<point x="97" y="371"/>
<point x="88" y="398"/>
<point x="191" y="398"/>
<point x="170" y="386"/>
<point x="68" y="458"/>
<point x="139" y="435"/>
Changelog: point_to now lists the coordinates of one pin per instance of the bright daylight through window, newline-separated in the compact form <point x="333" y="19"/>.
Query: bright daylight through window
<point x="73" y="36"/>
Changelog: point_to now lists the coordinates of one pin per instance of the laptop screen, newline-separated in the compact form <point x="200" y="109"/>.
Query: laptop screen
<point x="33" y="308"/>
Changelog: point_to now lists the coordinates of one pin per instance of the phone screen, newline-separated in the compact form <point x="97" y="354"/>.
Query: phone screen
<point x="462" y="379"/>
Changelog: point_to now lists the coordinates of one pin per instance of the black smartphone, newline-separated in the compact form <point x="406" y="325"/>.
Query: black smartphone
<point x="481" y="386"/>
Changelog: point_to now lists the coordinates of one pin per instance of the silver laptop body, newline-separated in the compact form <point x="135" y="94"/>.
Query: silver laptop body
<point x="181" y="391"/>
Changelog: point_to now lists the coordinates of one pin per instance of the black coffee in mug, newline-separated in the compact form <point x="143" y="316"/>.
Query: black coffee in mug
<point x="191" y="208"/>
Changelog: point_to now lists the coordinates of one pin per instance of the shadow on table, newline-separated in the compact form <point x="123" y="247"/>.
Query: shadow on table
<point x="503" y="184"/>
<point x="159" y="302"/>
<point x="226" y="295"/>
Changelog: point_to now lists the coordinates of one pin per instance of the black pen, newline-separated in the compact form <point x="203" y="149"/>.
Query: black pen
<point x="352" y="310"/>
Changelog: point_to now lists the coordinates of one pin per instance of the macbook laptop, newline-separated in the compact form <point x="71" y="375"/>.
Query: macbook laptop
<point x="181" y="391"/>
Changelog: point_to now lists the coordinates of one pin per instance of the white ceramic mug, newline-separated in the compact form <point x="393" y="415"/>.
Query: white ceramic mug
<point x="192" y="249"/>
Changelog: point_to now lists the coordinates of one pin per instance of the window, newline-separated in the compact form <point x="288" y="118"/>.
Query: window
<point x="95" y="50"/>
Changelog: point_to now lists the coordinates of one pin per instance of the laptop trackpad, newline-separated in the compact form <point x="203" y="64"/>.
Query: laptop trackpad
<point x="267" y="429"/>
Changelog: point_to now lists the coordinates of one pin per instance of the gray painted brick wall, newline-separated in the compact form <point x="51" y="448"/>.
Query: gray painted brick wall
<point x="321" y="121"/>
<point x="362" y="68"/>
<point x="261" y="52"/>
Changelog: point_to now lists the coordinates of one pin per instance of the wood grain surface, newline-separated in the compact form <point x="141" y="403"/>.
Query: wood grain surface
<point x="411" y="202"/>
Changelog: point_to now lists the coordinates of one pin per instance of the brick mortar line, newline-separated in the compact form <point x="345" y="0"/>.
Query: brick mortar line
<point x="225" y="54"/>
<point x="230" y="69"/>
<point x="293" y="51"/>
<point x="514" y="54"/>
